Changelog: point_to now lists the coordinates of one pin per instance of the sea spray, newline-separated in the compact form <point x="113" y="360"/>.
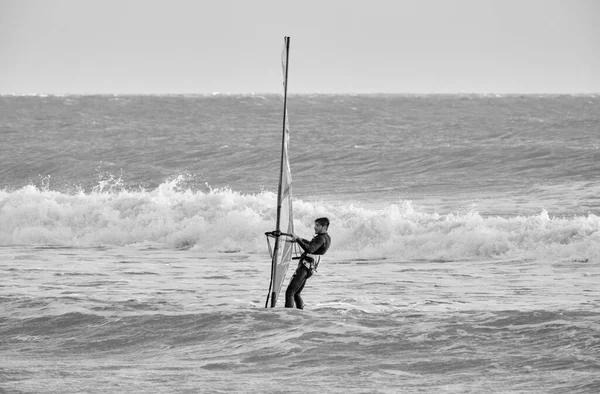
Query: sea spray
<point x="224" y="220"/>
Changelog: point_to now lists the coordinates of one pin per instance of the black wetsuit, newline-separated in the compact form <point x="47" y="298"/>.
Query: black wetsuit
<point x="318" y="245"/>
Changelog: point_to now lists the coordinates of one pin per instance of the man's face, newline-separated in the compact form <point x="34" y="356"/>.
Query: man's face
<point x="319" y="228"/>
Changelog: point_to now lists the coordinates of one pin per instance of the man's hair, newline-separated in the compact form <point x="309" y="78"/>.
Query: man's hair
<point x="323" y="222"/>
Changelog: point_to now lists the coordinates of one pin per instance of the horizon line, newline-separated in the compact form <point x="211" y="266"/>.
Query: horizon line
<point x="206" y="94"/>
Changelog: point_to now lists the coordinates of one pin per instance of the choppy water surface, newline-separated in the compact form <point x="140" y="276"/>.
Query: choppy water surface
<point x="114" y="319"/>
<point x="465" y="254"/>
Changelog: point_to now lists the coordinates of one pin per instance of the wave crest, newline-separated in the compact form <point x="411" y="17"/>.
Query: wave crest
<point x="223" y="220"/>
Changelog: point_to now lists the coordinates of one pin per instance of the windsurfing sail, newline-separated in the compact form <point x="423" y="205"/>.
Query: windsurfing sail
<point x="281" y="251"/>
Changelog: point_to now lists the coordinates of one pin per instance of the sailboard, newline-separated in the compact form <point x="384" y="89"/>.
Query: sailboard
<point x="279" y="241"/>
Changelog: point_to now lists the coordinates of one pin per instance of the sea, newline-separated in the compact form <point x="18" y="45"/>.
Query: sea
<point x="465" y="251"/>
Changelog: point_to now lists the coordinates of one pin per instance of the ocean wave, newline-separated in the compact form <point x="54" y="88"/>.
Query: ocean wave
<point x="224" y="220"/>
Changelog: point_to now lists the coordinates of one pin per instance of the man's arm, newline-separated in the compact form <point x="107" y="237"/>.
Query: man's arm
<point x="310" y="246"/>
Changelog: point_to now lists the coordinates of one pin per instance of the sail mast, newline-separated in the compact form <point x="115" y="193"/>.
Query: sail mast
<point x="283" y="136"/>
<point x="273" y="287"/>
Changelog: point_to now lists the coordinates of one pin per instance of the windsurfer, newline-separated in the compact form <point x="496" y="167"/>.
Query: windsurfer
<point x="309" y="260"/>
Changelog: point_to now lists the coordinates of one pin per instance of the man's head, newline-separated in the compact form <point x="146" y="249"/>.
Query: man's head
<point x="321" y="225"/>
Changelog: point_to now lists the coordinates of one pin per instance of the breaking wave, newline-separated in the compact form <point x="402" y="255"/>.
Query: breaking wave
<point x="223" y="220"/>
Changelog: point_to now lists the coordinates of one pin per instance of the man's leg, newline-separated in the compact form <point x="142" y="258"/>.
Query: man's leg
<point x="296" y="285"/>
<point x="297" y="298"/>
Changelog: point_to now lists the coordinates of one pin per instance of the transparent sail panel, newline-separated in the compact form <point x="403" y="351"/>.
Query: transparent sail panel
<point x="282" y="250"/>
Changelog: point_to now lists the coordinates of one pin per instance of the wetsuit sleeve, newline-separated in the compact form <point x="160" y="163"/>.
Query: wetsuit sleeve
<point x="312" y="246"/>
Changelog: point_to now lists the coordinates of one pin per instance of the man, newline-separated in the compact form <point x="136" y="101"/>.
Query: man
<point x="309" y="260"/>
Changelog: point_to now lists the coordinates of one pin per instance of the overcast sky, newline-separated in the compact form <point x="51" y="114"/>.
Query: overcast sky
<point x="337" y="46"/>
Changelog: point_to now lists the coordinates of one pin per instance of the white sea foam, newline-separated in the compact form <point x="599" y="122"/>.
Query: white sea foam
<point x="224" y="220"/>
